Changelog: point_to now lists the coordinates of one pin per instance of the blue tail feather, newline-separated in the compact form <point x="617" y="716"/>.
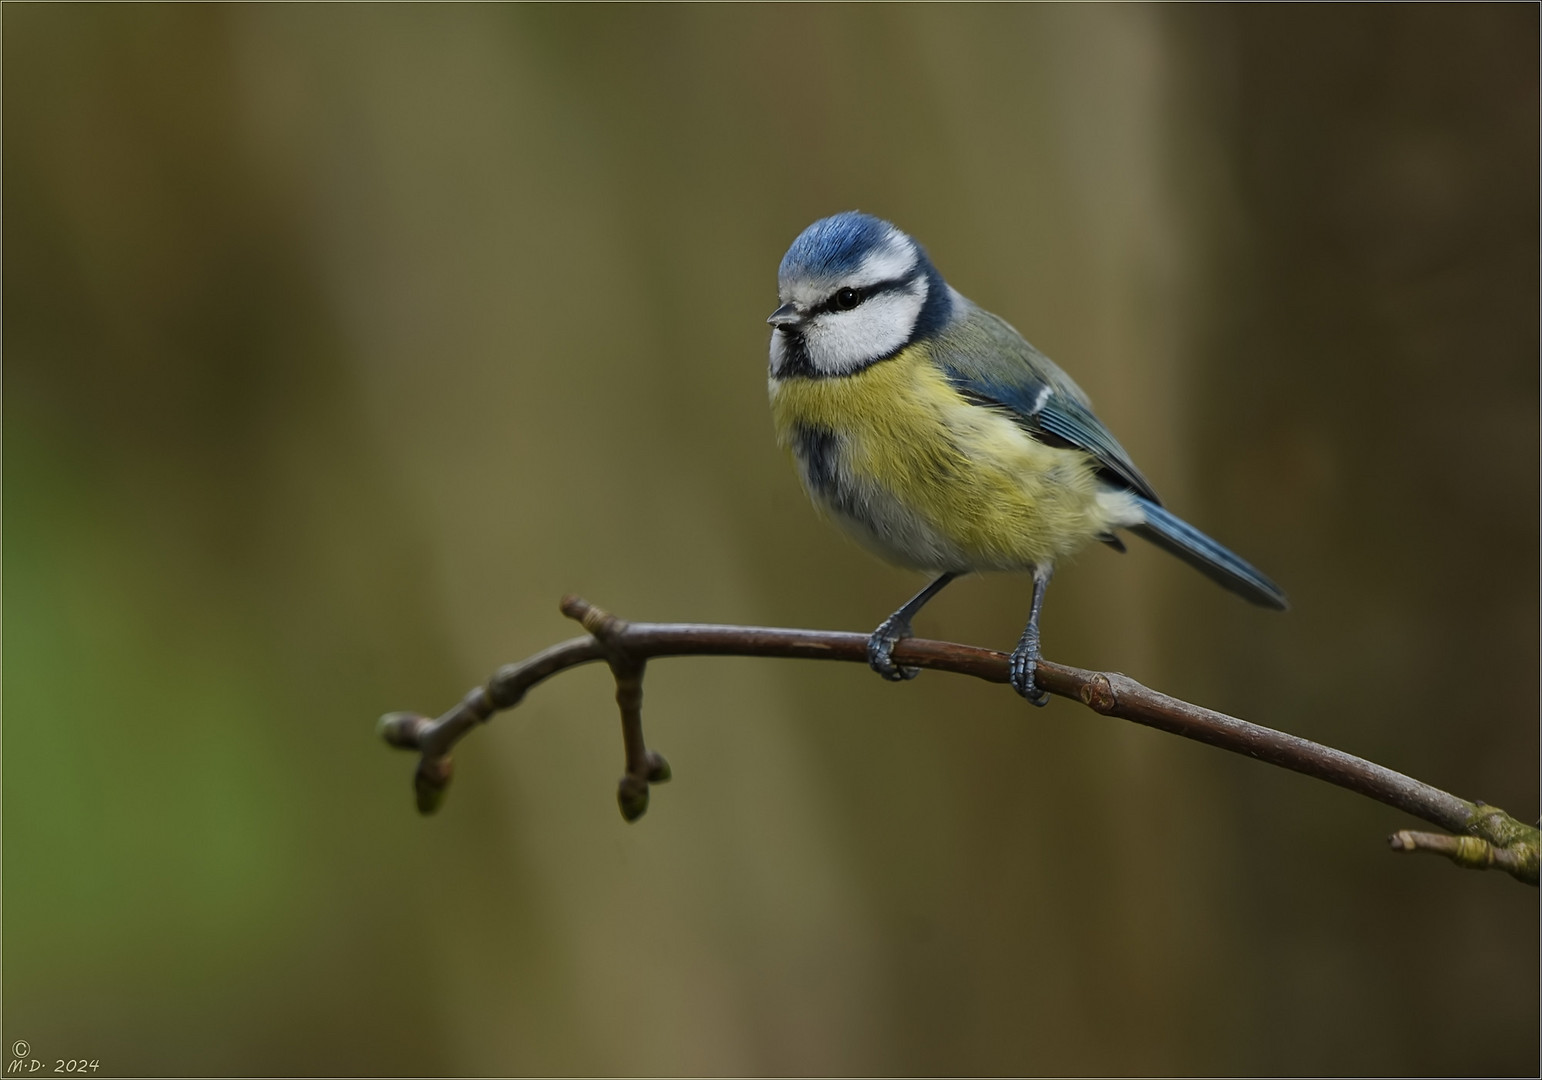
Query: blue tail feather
<point x="1177" y="537"/>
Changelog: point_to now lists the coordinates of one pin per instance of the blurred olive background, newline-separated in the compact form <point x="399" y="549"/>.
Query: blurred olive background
<point x="341" y="341"/>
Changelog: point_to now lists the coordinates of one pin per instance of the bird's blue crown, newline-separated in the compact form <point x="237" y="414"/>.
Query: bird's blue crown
<point x="835" y="245"/>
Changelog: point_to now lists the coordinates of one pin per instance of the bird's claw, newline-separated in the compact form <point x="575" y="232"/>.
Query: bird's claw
<point x="880" y="651"/>
<point x="1020" y="671"/>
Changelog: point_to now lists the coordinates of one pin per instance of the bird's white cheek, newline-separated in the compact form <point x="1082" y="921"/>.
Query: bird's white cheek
<point x="842" y="341"/>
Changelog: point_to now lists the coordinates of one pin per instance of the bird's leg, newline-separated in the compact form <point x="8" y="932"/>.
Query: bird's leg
<point x="1025" y="658"/>
<point x="880" y="645"/>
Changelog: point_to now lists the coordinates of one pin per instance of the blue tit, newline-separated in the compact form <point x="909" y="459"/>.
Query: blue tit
<point x="941" y="440"/>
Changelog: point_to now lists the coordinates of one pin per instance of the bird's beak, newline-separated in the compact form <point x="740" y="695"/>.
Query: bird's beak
<point x="786" y="317"/>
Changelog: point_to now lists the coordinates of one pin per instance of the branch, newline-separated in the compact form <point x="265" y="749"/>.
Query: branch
<point x="1489" y="836"/>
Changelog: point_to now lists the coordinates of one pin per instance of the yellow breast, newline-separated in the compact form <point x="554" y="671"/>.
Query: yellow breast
<point x="931" y="481"/>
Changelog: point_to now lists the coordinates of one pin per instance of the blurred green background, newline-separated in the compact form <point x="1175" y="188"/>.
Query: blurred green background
<point x="340" y="341"/>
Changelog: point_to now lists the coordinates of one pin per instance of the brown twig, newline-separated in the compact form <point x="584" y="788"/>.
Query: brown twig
<point x="1473" y="852"/>
<point x="626" y="647"/>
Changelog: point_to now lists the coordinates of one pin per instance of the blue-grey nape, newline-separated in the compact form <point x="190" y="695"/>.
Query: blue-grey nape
<point x="835" y="245"/>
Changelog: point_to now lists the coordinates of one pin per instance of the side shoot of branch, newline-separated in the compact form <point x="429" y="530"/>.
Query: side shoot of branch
<point x="1486" y="836"/>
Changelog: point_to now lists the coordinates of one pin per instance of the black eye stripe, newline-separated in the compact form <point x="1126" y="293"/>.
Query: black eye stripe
<point x="863" y="294"/>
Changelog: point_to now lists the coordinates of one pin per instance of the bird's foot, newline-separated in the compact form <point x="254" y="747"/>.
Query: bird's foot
<point x="1020" y="669"/>
<point x="880" y="649"/>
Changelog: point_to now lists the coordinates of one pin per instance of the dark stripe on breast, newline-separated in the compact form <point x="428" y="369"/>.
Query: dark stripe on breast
<point x="819" y="452"/>
<point x="818" y="449"/>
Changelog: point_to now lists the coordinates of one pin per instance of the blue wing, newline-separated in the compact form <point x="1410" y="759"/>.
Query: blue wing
<point x="990" y="365"/>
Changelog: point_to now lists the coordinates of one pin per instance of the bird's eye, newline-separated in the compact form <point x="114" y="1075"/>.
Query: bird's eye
<point x="847" y="298"/>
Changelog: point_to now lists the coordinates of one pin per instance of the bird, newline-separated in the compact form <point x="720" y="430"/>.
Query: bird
<point x="932" y="432"/>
